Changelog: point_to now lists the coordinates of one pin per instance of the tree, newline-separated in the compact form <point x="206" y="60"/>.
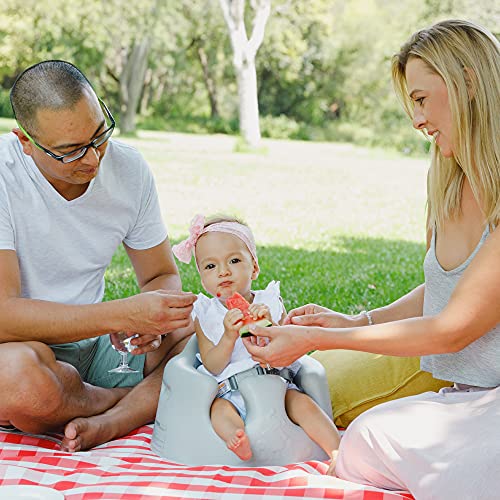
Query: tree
<point x="130" y="45"/>
<point x="132" y="82"/>
<point x="114" y="55"/>
<point x="205" y="32"/>
<point x="244" y="52"/>
<point x="296" y="67"/>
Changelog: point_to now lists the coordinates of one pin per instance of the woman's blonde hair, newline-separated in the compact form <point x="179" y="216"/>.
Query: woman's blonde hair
<point x="467" y="57"/>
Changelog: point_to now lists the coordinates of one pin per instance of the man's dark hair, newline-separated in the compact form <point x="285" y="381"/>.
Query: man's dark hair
<point x="50" y="85"/>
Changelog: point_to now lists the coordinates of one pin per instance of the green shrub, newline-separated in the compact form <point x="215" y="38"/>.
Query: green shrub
<point x="279" y="127"/>
<point x="222" y="126"/>
<point x="396" y="136"/>
<point x="240" y="146"/>
<point x="391" y="130"/>
<point x="5" y="107"/>
<point x="189" y="124"/>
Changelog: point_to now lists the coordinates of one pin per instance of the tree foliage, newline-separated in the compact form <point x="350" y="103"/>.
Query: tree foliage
<point x="322" y="69"/>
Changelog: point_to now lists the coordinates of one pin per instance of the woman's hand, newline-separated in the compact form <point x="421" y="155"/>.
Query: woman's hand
<point x="314" y="315"/>
<point x="286" y="344"/>
<point x="260" y="311"/>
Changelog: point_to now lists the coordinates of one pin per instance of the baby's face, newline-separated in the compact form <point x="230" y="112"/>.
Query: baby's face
<point x="226" y="265"/>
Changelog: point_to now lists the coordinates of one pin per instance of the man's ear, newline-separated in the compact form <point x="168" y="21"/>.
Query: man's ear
<point x="471" y="82"/>
<point x="25" y="142"/>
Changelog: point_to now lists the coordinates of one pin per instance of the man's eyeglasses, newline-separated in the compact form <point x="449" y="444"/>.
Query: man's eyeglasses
<point x="81" y="151"/>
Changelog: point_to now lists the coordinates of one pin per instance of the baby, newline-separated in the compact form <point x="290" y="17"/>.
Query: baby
<point x="226" y="259"/>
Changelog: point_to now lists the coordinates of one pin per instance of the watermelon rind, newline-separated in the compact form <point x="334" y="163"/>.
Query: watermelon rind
<point x="245" y="329"/>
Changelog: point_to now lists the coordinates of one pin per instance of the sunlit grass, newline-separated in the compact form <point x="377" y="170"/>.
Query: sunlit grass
<point x="338" y="225"/>
<point x="6" y="125"/>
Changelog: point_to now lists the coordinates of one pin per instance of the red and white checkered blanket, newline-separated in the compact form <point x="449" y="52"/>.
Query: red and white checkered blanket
<point x="127" y="469"/>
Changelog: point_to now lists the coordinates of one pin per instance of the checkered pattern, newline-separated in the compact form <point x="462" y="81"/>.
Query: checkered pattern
<point x="127" y="469"/>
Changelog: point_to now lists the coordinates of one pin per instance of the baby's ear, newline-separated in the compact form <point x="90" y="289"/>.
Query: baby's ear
<point x="256" y="271"/>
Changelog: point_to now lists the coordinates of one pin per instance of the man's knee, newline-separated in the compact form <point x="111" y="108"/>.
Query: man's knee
<point x="27" y="380"/>
<point x="22" y="361"/>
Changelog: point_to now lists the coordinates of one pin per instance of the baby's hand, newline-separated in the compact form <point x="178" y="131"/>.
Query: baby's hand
<point x="233" y="323"/>
<point x="260" y="311"/>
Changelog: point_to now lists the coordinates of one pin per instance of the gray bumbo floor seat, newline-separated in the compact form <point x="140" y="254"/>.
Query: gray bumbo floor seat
<point x="183" y="432"/>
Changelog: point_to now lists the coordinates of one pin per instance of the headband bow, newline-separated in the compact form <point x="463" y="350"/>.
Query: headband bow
<point x="185" y="249"/>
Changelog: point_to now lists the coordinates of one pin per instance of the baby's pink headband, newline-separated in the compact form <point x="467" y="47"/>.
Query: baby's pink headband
<point x="185" y="249"/>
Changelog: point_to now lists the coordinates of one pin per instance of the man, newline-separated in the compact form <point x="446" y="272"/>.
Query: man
<point x="69" y="196"/>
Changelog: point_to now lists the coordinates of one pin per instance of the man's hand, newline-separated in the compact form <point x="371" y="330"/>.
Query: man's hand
<point x="314" y="315"/>
<point x="158" y="312"/>
<point x="135" y="343"/>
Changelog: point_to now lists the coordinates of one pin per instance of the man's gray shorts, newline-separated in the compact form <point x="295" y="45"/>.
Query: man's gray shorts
<point x="94" y="357"/>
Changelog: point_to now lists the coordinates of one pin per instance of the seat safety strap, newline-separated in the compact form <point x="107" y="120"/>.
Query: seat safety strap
<point x="231" y="383"/>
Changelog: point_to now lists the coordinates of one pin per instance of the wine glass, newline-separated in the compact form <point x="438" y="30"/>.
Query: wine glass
<point x="121" y="343"/>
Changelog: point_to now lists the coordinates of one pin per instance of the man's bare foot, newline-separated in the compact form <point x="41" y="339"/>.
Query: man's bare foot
<point x="240" y="445"/>
<point x="84" y="433"/>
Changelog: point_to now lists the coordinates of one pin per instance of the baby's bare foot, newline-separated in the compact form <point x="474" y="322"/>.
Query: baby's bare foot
<point x="240" y="445"/>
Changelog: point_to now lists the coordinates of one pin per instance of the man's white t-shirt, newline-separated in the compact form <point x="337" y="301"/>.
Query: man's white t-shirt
<point x="64" y="247"/>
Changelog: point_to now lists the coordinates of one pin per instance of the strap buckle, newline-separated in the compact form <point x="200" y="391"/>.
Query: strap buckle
<point x="231" y="383"/>
<point x="286" y="374"/>
<point x="224" y="388"/>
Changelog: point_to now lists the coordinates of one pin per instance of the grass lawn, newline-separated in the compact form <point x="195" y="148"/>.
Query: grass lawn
<point x="6" y="125"/>
<point x="338" y="225"/>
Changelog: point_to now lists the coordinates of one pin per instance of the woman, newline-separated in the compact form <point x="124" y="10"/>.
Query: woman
<point x="442" y="445"/>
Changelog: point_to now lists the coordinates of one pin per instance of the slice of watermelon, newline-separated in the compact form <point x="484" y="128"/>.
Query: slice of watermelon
<point x="237" y="301"/>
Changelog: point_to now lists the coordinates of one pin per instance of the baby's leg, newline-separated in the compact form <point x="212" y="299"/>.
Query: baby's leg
<point x="303" y="411"/>
<point x="229" y="426"/>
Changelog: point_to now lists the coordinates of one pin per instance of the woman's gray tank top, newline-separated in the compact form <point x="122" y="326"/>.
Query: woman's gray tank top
<point x="477" y="364"/>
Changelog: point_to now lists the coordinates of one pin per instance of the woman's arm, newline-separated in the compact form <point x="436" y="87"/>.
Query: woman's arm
<point x="408" y="306"/>
<point x="472" y="311"/>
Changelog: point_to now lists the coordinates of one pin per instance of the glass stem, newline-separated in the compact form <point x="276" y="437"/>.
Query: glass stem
<point x="124" y="356"/>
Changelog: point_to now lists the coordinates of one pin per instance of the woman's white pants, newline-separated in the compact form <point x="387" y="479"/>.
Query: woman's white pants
<point x="438" y="446"/>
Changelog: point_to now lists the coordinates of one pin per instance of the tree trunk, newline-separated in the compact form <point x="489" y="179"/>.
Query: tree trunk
<point x="248" y="103"/>
<point x="147" y="92"/>
<point x="244" y="52"/>
<point x="209" y="82"/>
<point x="131" y="84"/>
